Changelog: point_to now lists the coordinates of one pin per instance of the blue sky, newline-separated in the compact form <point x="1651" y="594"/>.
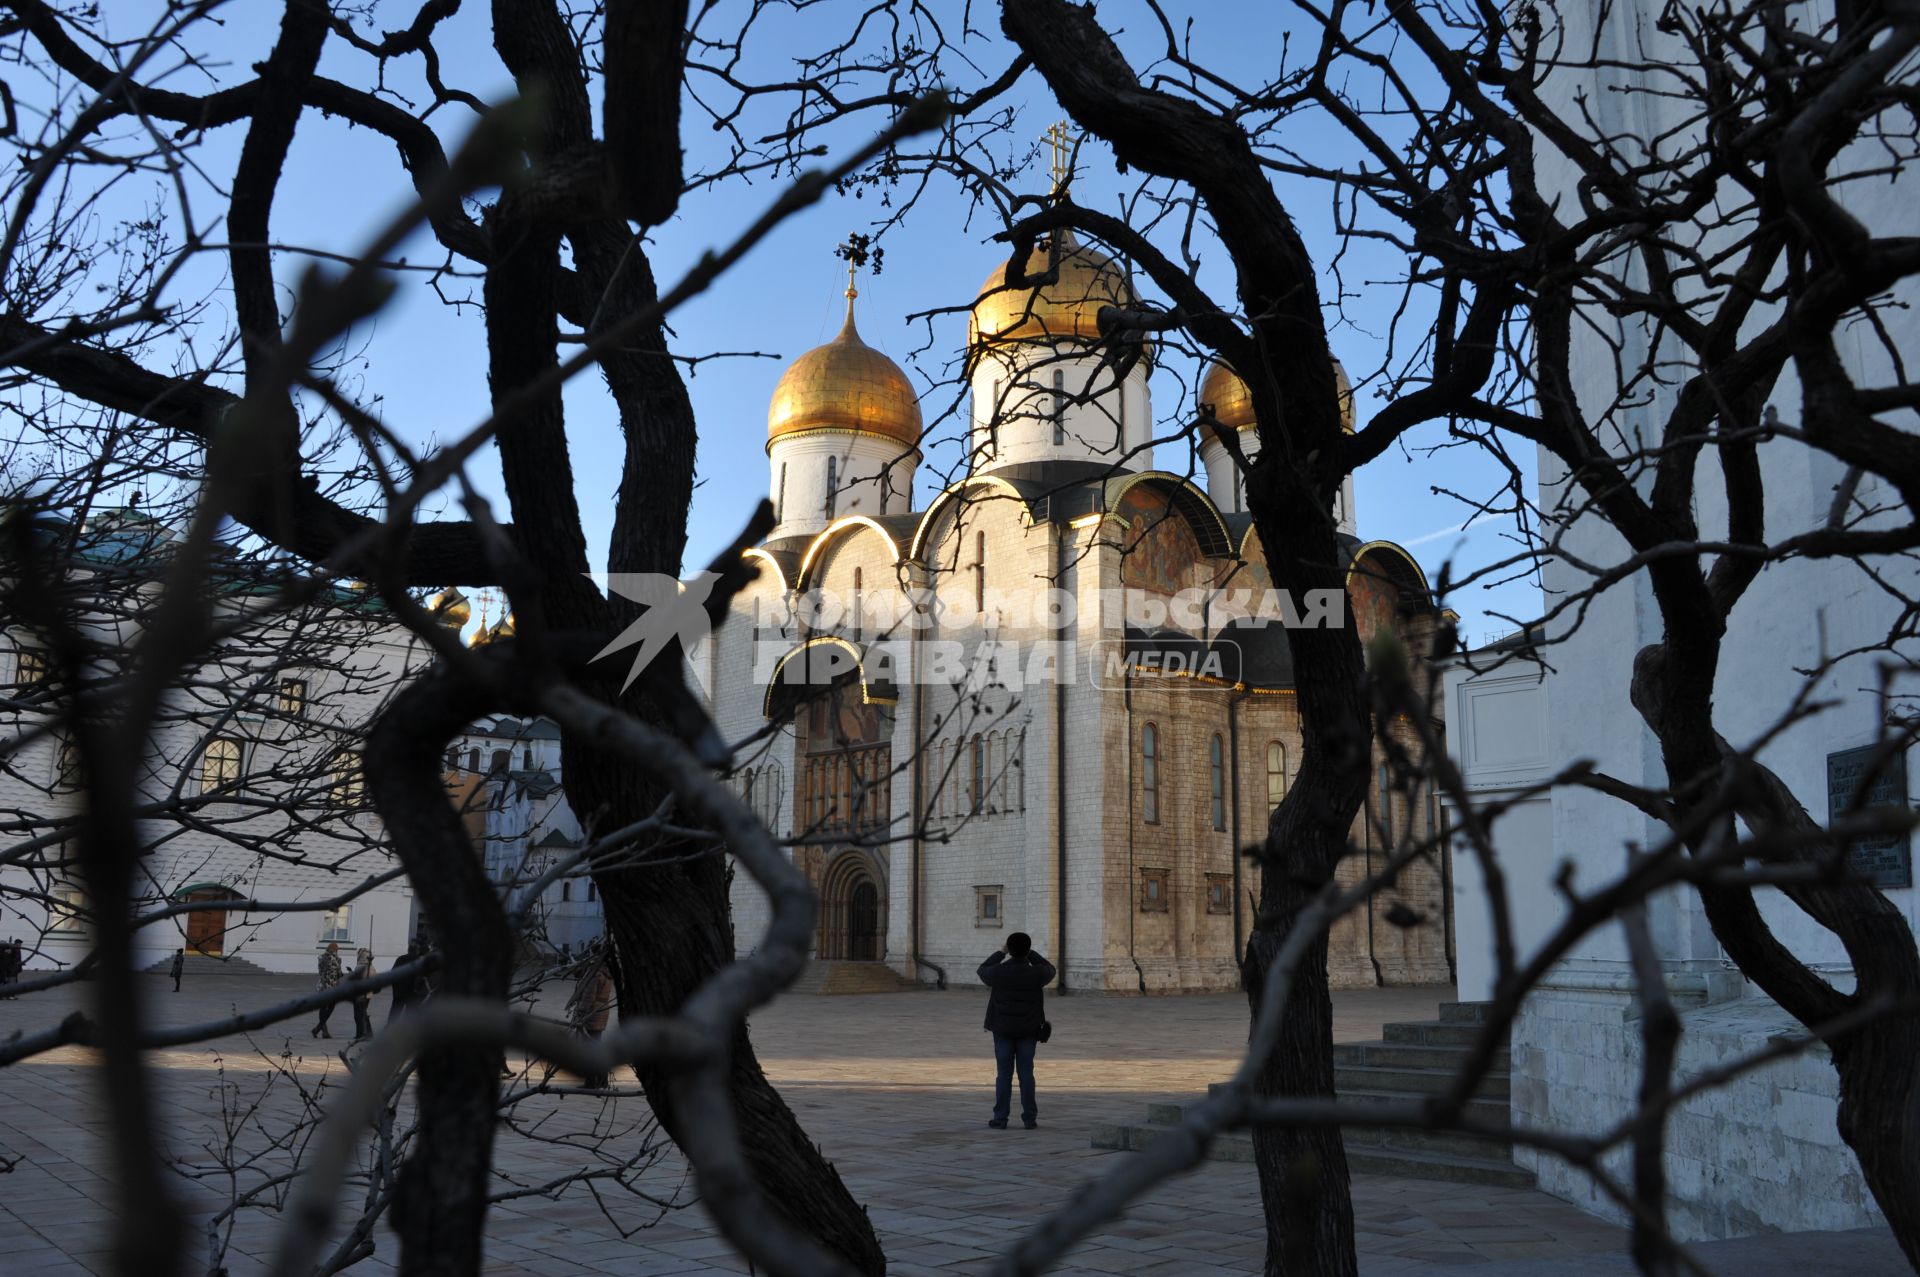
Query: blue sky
<point x="423" y="365"/>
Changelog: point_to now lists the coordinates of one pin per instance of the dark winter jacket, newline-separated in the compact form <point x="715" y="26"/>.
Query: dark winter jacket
<point x="1015" y="1008"/>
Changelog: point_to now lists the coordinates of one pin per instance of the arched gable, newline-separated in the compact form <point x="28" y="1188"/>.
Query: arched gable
<point x="841" y="527"/>
<point x="826" y="658"/>
<point x="940" y="505"/>
<point x="1185" y="498"/>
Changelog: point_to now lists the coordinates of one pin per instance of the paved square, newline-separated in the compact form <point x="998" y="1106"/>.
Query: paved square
<point x="895" y="1088"/>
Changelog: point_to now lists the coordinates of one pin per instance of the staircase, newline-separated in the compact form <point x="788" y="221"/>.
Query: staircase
<point x="203" y="964"/>
<point x="1412" y="1061"/>
<point x="836" y="977"/>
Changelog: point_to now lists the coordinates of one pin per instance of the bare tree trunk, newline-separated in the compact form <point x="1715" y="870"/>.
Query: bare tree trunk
<point x="1305" y="1187"/>
<point x="662" y="922"/>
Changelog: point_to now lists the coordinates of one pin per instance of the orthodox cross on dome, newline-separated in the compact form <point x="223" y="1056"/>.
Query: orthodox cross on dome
<point x="1059" y="141"/>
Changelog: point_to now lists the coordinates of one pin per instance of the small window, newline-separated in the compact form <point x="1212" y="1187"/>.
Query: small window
<point x="980" y="575"/>
<point x="526" y="757"/>
<point x="780" y="495"/>
<point x="220" y="764"/>
<point x="1219" y="893"/>
<point x="502" y="758"/>
<point x="566" y="892"/>
<point x="833" y="484"/>
<point x="978" y="787"/>
<point x="346" y="784"/>
<point x="336" y="926"/>
<point x="593" y="890"/>
<point x="1059" y="407"/>
<point x="1150" y="774"/>
<point x="66" y="910"/>
<point x="1276" y="775"/>
<point x="988" y="906"/>
<point x="1386" y="802"/>
<point x="293" y="697"/>
<point x="29" y="668"/>
<point x="1217" y="782"/>
<point x="859" y="628"/>
<point x="1153" y="890"/>
<point x="67" y="767"/>
<point x="473" y="760"/>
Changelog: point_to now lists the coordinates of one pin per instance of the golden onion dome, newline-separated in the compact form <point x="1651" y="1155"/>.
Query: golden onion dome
<point x="450" y="608"/>
<point x="845" y="385"/>
<point x="1067" y="309"/>
<point x="1233" y="402"/>
<point x="504" y="630"/>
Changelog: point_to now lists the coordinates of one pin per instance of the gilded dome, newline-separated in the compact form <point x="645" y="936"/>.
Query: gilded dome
<point x="450" y="608"/>
<point x="1067" y="309"/>
<point x="1233" y="402"/>
<point x="845" y="385"/>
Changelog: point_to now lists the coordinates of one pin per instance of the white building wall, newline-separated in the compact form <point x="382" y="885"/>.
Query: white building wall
<point x="1039" y="403"/>
<point x="871" y="475"/>
<point x="1760" y="1155"/>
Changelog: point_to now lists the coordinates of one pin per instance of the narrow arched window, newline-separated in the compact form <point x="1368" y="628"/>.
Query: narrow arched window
<point x="1150" y="774"/>
<point x="1276" y="774"/>
<point x="1386" y="804"/>
<point x="858" y="626"/>
<point x="1217" y="782"/>
<point x="980" y="573"/>
<point x="833" y="484"/>
<point x="780" y="495"/>
<point x="1059" y="407"/>
<point x="979" y="774"/>
<point x="220" y="764"/>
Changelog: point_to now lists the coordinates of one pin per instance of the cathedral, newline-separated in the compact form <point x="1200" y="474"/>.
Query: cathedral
<point x="1058" y="697"/>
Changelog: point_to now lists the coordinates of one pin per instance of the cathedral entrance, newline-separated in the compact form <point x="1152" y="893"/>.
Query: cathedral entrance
<point x="853" y="925"/>
<point x="207" y="927"/>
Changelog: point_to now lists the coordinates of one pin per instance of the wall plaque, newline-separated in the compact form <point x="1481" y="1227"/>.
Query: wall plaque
<point x="1885" y="860"/>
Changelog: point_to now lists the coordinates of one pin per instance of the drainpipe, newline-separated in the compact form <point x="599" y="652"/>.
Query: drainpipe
<point x="1133" y="874"/>
<point x="918" y="843"/>
<point x="1064" y="552"/>
<point x="1378" y="980"/>
<point x="1233" y="789"/>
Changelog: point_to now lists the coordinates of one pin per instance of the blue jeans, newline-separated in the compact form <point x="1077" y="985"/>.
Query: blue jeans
<point x="1006" y="1053"/>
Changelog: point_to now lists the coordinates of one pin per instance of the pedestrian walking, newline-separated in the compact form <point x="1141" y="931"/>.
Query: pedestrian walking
<point x="178" y="968"/>
<point x="363" y="1000"/>
<point x="1016" y="1016"/>
<point x="405" y="992"/>
<point x="329" y="979"/>
<point x="592" y="1004"/>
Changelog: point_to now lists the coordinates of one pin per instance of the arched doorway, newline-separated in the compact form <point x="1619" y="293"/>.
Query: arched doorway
<point x="207" y="928"/>
<point x="863" y="922"/>
<point x="853" y="910"/>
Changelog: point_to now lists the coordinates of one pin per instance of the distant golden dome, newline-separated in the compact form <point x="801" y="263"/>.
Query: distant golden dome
<point x="845" y="385"/>
<point x="1068" y="309"/>
<point x="1233" y="402"/>
<point x="450" y="608"/>
<point x="503" y="630"/>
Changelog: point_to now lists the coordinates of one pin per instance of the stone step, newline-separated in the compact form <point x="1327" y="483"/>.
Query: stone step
<point x="833" y="977"/>
<point x="1173" y="1112"/>
<point x="1409" y="1055"/>
<point x="1357" y="1077"/>
<point x="1365" y="1159"/>
<point x="1478" y="1108"/>
<point x="1433" y="1032"/>
<point x="1464" y="1012"/>
<point x="1453" y="1168"/>
<point x="209" y="964"/>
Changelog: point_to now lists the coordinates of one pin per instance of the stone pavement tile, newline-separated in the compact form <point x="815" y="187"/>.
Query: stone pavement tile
<point x="941" y="1254"/>
<point x="648" y="1264"/>
<point x="1102" y="1259"/>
